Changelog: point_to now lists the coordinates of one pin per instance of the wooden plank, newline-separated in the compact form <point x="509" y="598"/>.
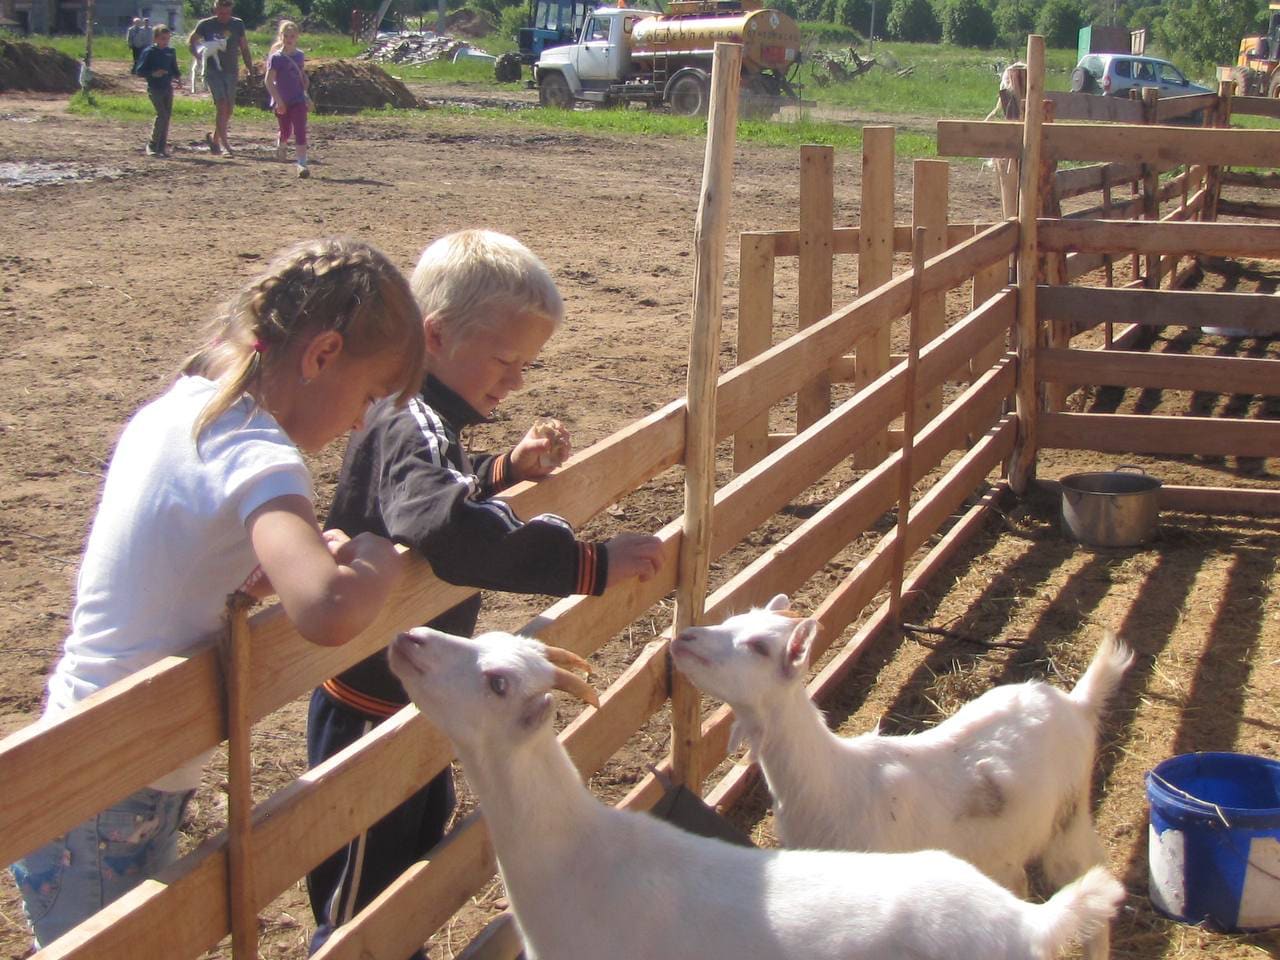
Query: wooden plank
<point x="1256" y="211"/>
<point x="1255" y="312"/>
<point x="1220" y="239"/>
<point x="1026" y="332"/>
<point x="930" y="197"/>
<point x="1087" y="106"/>
<point x="1256" y="106"/>
<point x="817" y="212"/>
<point x="1075" y="181"/>
<point x="704" y="368"/>
<point x="956" y="265"/>
<point x="1221" y="501"/>
<point x="241" y="889"/>
<point x="875" y="267"/>
<point x="1175" y="108"/>
<point x="1252" y="179"/>
<point x="755" y="335"/>
<point x="1125" y="143"/>
<point x="1127" y="433"/>
<point x="914" y="334"/>
<point x="988" y="282"/>
<point x="1230" y="375"/>
<point x="845" y="240"/>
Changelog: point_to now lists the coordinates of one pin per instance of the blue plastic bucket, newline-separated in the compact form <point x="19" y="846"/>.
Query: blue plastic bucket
<point x="1215" y="840"/>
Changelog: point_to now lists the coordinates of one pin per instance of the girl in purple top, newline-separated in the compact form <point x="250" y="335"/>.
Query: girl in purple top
<point x="287" y="83"/>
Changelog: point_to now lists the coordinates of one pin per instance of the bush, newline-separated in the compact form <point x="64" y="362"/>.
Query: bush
<point x="786" y="6"/>
<point x="1013" y="20"/>
<point x="856" y="14"/>
<point x="512" y="20"/>
<point x="1060" y="22"/>
<point x="829" y="33"/>
<point x="914" y="21"/>
<point x="967" y="23"/>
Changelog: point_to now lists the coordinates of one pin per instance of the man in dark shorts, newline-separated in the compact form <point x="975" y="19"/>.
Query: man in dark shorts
<point x="221" y="69"/>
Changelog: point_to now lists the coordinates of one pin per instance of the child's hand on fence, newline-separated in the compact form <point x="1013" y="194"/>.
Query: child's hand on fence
<point x="636" y="555"/>
<point x="542" y="449"/>
<point x="366" y="553"/>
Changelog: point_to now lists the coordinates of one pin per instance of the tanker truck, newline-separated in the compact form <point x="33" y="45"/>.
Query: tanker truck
<point x="626" y="55"/>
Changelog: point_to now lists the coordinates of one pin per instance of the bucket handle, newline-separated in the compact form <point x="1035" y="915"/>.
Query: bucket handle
<point x="1128" y="468"/>
<point x="1221" y="816"/>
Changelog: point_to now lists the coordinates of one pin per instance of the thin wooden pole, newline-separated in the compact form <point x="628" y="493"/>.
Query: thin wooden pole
<point x="1213" y="175"/>
<point x="704" y="369"/>
<point x="875" y="268"/>
<point x="240" y="887"/>
<point x="1150" y="188"/>
<point x="919" y="239"/>
<point x="1027" y="396"/>
<point x="817" y="223"/>
<point x="929" y="203"/>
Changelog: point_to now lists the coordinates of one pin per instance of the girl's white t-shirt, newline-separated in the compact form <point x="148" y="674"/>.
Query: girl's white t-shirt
<point x="169" y="542"/>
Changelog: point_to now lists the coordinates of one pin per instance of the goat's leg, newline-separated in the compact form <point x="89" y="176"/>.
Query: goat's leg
<point x="1073" y="850"/>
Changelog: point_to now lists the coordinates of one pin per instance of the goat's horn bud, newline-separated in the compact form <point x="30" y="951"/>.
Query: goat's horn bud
<point x="567" y="659"/>
<point x="574" y="684"/>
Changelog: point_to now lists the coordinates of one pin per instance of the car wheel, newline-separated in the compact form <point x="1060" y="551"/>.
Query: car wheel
<point x="553" y="91"/>
<point x="1082" y="81"/>
<point x="506" y="69"/>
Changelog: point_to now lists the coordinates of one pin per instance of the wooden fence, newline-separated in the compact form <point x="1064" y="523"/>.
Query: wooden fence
<point x="899" y="423"/>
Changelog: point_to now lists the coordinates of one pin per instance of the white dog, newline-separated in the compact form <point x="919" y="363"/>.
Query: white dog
<point x="204" y="52"/>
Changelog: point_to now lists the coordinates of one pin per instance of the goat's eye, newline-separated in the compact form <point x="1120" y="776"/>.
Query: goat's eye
<point x="498" y="684"/>
<point x="758" y="646"/>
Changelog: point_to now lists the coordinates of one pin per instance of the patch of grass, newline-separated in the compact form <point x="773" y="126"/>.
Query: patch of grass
<point x="138" y="107"/>
<point x="104" y="47"/>
<point x="464" y="71"/>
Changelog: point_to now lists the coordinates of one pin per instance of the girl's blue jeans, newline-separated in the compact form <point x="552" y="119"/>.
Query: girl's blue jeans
<point x="73" y="877"/>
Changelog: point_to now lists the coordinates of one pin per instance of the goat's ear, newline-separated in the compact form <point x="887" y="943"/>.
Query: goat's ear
<point x="536" y="711"/>
<point x="779" y="602"/>
<point x="795" y="653"/>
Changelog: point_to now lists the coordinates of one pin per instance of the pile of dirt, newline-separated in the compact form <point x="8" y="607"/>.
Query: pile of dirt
<point x="27" y="67"/>
<point x="469" y="23"/>
<point x="338" y="86"/>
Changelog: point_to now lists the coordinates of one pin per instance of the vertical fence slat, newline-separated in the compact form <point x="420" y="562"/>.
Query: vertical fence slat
<point x="755" y="335"/>
<point x="240" y="885"/>
<point x="1022" y="463"/>
<point x="875" y="267"/>
<point x="930" y="198"/>
<point x="704" y="370"/>
<point x="817" y="220"/>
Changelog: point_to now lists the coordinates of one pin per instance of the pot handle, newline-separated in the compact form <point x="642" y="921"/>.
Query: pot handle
<point x="1128" y="468"/>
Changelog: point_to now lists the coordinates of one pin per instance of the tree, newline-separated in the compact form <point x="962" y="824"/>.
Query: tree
<point x="855" y="14"/>
<point x="913" y="21"/>
<point x="251" y="12"/>
<point x="967" y="23"/>
<point x="1014" y="19"/>
<point x="1208" y="32"/>
<point x="1059" y="21"/>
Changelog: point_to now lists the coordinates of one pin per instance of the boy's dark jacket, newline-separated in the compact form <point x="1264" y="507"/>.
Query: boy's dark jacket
<point x="407" y="477"/>
<point x="158" y="58"/>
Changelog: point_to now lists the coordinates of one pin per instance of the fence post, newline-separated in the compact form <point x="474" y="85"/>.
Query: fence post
<point x="241" y="895"/>
<point x="1213" y="175"/>
<point x="817" y="213"/>
<point x="929" y="210"/>
<point x="919" y="240"/>
<point x="1027" y="397"/>
<point x="755" y="335"/>
<point x="704" y="370"/>
<point x="1151" y="189"/>
<point x="875" y="268"/>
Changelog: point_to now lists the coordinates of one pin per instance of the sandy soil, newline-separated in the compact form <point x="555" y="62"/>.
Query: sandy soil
<point x="109" y="269"/>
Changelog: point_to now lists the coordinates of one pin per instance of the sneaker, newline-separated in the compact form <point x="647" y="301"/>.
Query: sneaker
<point x="303" y="171"/>
<point x="227" y="151"/>
<point x="212" y="144"/>
<point x="152" y="152"/>
<point x="282" y="153"/>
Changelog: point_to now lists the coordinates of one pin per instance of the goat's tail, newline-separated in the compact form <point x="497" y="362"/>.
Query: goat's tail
<point x="1075" y="913"/>
<point x="1105" y="672"/>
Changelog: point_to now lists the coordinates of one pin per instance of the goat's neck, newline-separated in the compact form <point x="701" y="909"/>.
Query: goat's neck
<point x="792" y="744"/>
<point x="532" y="797"/>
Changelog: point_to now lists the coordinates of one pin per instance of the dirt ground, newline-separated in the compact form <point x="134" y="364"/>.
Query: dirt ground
<point x="110" y="262"/>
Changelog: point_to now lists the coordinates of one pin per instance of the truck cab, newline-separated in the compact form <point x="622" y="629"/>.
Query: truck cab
<point x="599" y="60"/>
<point x="551" y="23"/>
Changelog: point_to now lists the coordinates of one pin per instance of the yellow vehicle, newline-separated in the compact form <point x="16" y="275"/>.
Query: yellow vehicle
<point x="1255" y="71"/>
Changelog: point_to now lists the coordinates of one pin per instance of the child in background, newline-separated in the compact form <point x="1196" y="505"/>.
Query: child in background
<point x="159" y="64"/>
<point x="287" y="83"/>
<point x="207" y="492"/>
<point x="488" y="307"/>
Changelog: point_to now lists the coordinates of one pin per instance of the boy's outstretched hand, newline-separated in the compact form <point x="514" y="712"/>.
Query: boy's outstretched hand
<point x="636" y="555"/>
<point x="542" y="449"/>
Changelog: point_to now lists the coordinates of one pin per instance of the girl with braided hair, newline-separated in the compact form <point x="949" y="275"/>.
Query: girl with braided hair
<point x="207" y="493"/>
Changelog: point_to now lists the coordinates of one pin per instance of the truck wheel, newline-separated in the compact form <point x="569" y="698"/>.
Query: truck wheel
<point x="506" y="69"/>
<point x="689" y="95"/>
<point x="554" y="92"/>
<point x="1274" y="91"/>
<point x="1241" y="76"/>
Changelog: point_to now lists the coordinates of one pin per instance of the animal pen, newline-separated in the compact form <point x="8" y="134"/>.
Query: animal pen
<point x="941" y="433"/>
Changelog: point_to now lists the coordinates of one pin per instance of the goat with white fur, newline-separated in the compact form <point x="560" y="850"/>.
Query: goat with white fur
<point x="586" y="880"/>
<point x="1002" y="783"/>
<point x="209" y="50"/>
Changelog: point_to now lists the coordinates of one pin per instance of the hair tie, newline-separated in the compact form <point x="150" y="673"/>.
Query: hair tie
<point x="260" y="346"/>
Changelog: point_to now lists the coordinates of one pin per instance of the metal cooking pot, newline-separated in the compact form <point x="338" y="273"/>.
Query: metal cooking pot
<point x="1114" y="508"/>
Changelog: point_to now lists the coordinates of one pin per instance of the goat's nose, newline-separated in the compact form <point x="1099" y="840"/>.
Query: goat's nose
<point x="686" y="636"/>
<point x="410" y="637"/>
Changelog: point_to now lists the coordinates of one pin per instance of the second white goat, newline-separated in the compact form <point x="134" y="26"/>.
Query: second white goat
<point x="586" y="880"/>
<point x="1002" y="783"/>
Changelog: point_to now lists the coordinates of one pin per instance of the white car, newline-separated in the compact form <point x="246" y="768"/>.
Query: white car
<point x="1115" y="74"/>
